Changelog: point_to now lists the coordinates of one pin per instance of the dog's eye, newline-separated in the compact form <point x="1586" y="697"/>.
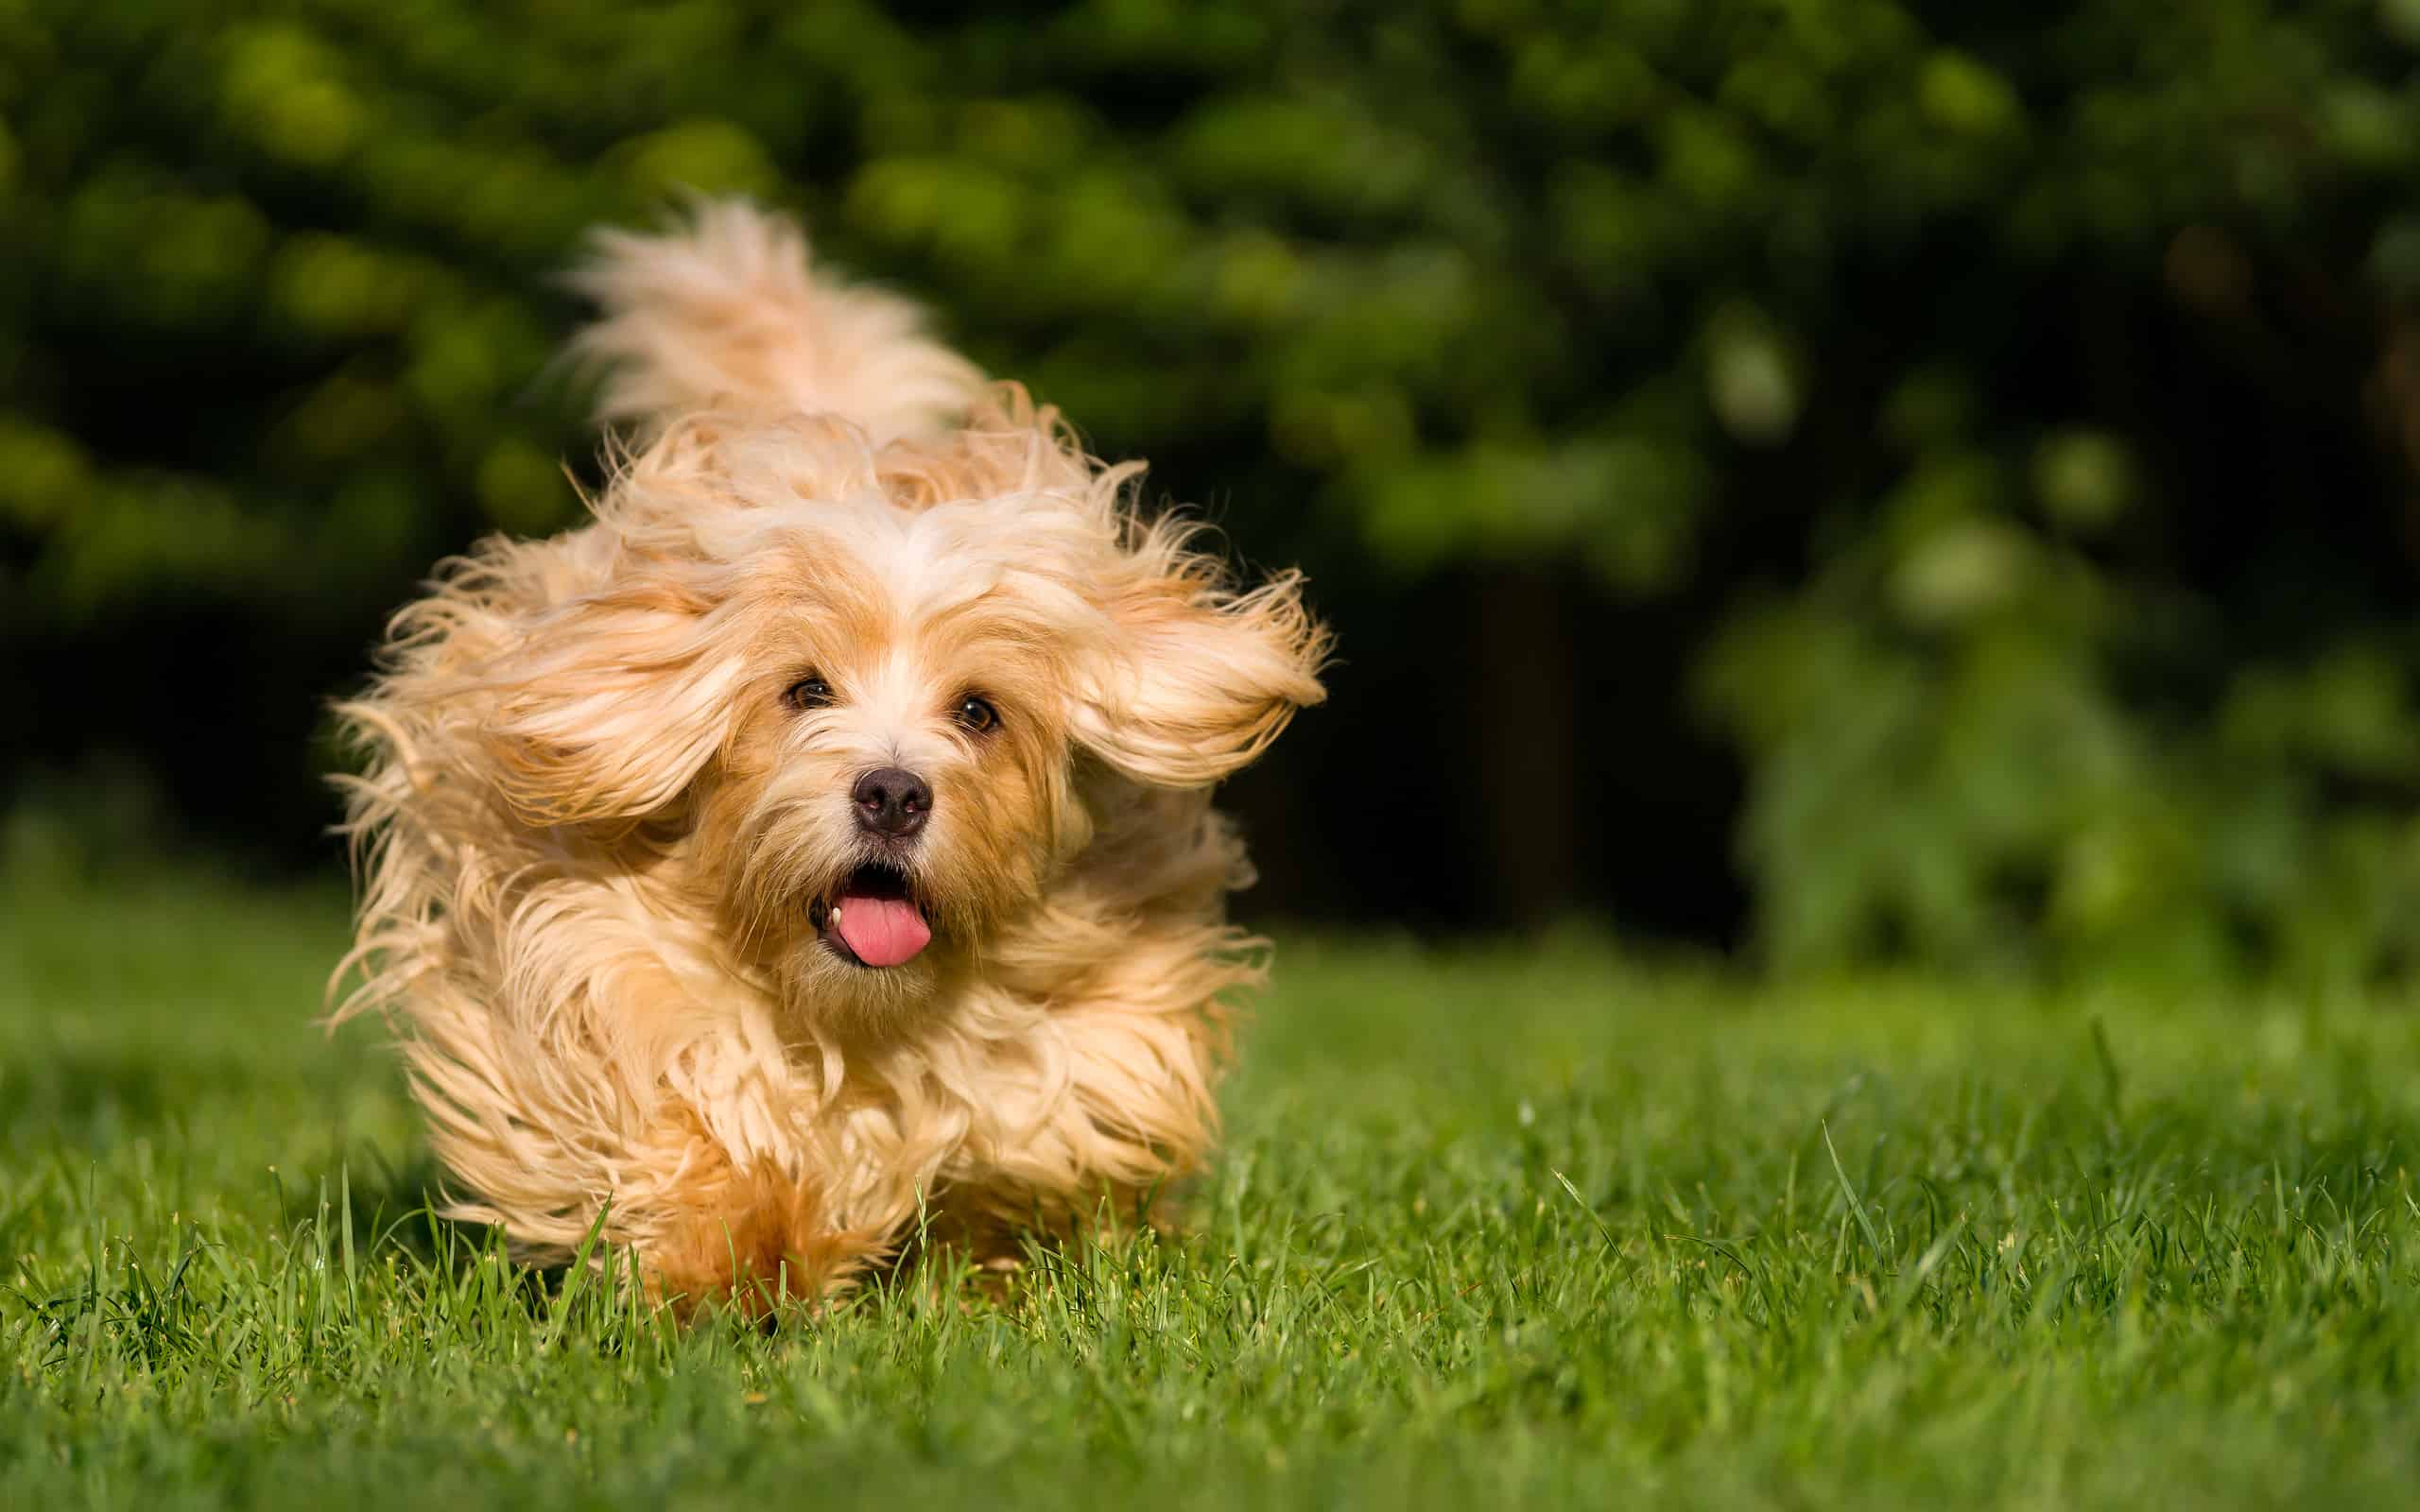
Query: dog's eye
<point x="808" y="693"/>
<point x="975" y="713"/>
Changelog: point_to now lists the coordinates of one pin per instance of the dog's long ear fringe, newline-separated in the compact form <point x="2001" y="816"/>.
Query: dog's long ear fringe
<point x="606" y="714"/>
<point x="1207" y="676"/>
<point x="725" y="307"/>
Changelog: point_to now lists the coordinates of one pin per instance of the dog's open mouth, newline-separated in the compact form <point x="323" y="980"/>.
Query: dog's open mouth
<point x="873" y="917"/>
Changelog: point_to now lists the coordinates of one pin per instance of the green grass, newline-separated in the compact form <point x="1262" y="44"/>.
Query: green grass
<point x="1516" y="1227"/>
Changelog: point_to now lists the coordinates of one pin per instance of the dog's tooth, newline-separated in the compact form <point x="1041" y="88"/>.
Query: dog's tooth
<point x="833" y="918"/>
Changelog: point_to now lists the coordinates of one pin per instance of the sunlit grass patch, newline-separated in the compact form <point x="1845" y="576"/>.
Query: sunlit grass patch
<point x="1492" y="1226"/>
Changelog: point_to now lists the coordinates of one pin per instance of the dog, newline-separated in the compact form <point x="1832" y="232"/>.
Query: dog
<point x="813" y="851"/>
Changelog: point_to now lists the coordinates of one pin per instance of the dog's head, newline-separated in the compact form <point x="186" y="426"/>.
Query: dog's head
<point x="845" y="696"/>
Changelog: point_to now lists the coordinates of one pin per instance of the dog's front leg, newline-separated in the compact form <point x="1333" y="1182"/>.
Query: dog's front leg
<point x="750" y="1238"/>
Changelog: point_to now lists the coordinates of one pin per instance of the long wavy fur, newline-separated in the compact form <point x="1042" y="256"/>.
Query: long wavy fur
<point x="588" y="828"/>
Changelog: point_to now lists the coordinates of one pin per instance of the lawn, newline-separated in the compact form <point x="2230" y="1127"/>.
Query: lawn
<point x="1515" y="1226"/>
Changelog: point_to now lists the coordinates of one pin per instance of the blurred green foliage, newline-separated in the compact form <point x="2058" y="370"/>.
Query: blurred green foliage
<point x="2020" y="402"/>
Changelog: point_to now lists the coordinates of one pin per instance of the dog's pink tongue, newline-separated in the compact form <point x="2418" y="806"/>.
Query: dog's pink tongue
<point x="883" y="930"/>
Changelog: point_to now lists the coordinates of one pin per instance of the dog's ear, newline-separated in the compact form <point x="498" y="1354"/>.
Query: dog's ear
<point x="609" y="707"/>
<point x="1201" y="679"/>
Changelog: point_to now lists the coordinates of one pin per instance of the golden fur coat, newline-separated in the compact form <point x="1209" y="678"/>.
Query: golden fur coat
<point x="605" y="805"/>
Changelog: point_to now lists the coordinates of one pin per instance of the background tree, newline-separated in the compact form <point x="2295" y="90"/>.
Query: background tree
<point x="1856" y="476"/>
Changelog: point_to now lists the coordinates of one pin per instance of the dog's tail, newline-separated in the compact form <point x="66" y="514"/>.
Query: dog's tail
<point x="725" y="306"/>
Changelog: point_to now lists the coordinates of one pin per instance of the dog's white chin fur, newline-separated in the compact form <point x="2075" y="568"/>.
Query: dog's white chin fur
<point x="857" y="1002"/>
<point x="591" y="818"/>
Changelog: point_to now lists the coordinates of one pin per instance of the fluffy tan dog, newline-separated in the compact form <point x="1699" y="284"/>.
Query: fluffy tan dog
<point x="818" y="842"/>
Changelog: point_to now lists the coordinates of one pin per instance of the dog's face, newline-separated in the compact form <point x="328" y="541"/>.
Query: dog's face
<point x="896" y="783"/>
<point x="851" y="715"/>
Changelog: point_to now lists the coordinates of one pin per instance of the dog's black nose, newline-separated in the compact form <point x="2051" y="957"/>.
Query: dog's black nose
<point x="892" y="800"/>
